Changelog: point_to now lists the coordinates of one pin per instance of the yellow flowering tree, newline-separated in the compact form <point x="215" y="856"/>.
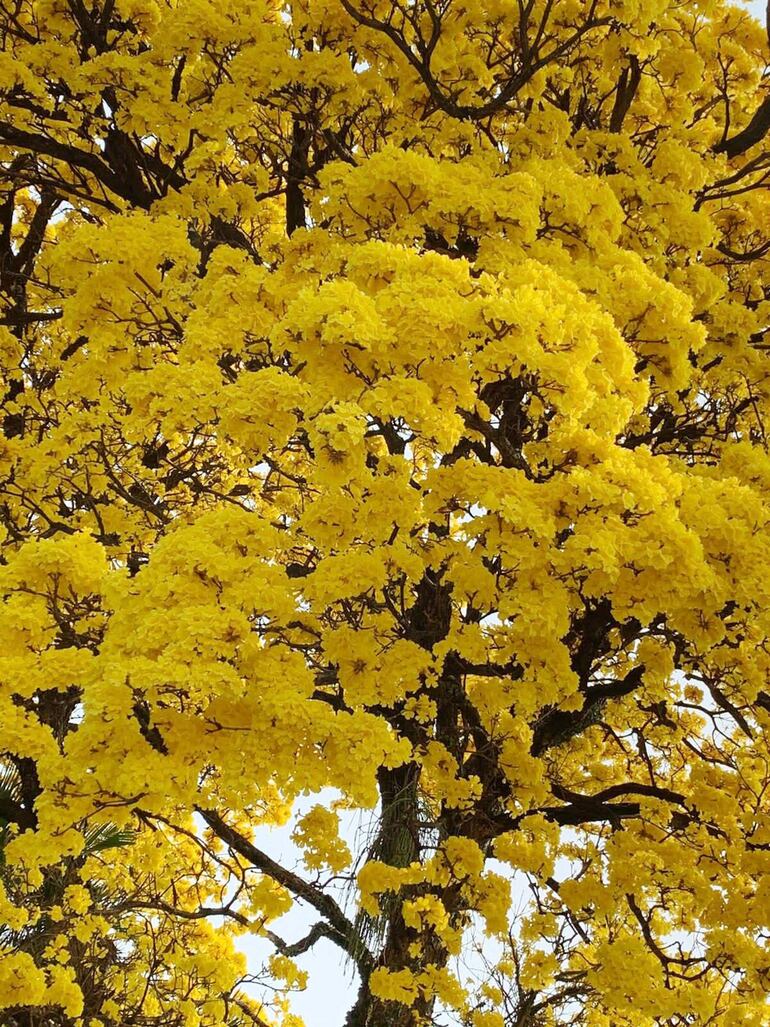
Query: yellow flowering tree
<point x="384" y="392"/>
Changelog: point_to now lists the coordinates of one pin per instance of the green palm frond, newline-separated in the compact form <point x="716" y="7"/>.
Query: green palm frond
<point x="10" y="783"/>
<point x="106" y="836"/>
<point x="10" y="795"/>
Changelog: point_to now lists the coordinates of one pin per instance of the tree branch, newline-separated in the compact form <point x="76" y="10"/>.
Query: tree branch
<point x="752" y="134"/>
<point x="319" y="930"/>
<point x="341" y="931"/>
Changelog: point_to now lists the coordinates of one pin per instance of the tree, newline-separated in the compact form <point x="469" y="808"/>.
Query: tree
<point x="384" y="408"/>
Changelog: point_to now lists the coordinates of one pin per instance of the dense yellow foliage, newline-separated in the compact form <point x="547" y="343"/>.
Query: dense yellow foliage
<point x="385" y="398"/>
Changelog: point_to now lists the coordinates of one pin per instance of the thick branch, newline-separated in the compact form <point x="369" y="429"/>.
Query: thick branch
<point x="753" y="133"/>
<point x="13" y="136"/>
<point x="590" y="813"/>
<point x="614" y="791"/>
<point x="319" y="930"/>
<point x="341" y="930"/>
<point x="627" y="87"/>
<point x="556" y="726"/>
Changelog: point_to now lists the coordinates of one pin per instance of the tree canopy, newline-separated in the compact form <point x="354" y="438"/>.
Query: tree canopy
<point x="385" y="387"/>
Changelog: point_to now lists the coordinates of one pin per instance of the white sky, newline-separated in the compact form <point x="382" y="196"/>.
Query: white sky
<point x="332" y="984"/>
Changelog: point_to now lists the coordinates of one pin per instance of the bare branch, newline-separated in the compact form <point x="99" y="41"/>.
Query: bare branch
<point x="341" y="931"/>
